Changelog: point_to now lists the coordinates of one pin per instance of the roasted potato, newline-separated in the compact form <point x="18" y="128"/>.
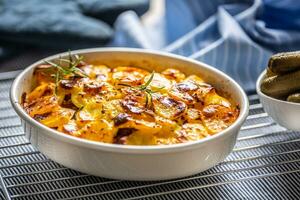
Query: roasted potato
<point x="128" y="75"/>
<point x="127" y="105"/>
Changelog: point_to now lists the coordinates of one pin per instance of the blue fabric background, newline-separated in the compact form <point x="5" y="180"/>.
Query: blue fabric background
<point x="59" y="24"/>
<point x="235" y="36"/>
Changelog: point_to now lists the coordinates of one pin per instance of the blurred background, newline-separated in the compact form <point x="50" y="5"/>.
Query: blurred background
<point x="235" y="36"/>
<point x="33" y="29"/>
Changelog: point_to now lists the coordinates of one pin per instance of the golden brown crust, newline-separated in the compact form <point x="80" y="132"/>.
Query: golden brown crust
<point x="128" y="105"/>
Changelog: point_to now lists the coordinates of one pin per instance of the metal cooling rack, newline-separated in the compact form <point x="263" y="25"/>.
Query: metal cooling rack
<point x="265" y="164"/>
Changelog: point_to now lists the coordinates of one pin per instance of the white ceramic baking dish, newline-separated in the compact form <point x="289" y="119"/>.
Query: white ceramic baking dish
<point x="126" y="161"/>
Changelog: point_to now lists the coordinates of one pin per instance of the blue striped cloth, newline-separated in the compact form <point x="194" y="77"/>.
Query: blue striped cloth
<point x="235" y="36"/>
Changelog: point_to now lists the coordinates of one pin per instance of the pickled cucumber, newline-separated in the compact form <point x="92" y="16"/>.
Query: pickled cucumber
<point x="281" y="85"/>
<point x="286" y="62"/>
<point x="270" y="73"/>
<point x="294" y="98"/>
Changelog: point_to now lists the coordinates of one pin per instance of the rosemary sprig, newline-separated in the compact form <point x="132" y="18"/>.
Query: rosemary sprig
<point x="57" y="77"/>
<point x="78" y="110"/>
<point x="144" y="88"/>
<point x="71" y="69"/>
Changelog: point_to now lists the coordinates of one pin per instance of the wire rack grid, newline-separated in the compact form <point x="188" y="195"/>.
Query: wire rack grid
<point x="265" y="164"/>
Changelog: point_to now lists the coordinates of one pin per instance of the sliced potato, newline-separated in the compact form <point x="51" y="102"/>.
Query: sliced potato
<point x="78" y="97"/>
<point x="168" y="107"/>
<point x="193" y="115"/>
<point x="95" y="107"/>
<point x="139" y="138"/>
<point x="168" y="126"/>
<point x="135" y="100"/>
<point x="145" y="127"/>
<point x="83" y="117"/>
<point x="184" y="91"/>
<point x="100" y="130"/>
<point x="128" y="75"/>
<point x="203" y="90"/>
<point x="194" y="78"/>
<point x="217" y="117"/>
<point x="173" y="74"/>
<point x="187" y="86"/>
<point x="215" y="125"/>
<point x="158" y="83"/>
<point x="58" y="118"/>
<point x="112" y="108"/>
<point x="94" y="87"/>
<point x="109" y="92"/>
<point x="191" y="132"/>
<point x="41" y="74"/>
<point x="212" y="98"/>
<point x="101" y="73"/>
<point x="98" y="72"/>
<point x="42" y="105"/>
<point x="70" y="128"/>
<point x="181" y="96"/>
<point x="166" y="140"/>
<point x="41" y="90"/>
<point x="208" y="95"/>
<point x="103" y="89"/>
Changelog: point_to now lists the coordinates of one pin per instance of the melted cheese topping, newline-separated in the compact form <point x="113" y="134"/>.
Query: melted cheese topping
<point x="112" y="106"/>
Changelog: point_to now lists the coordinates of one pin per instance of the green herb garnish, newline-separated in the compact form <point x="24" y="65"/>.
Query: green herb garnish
<point x="78" y="110"/>
<point x="144" y="88"/>
<point x="62" y="70"/>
